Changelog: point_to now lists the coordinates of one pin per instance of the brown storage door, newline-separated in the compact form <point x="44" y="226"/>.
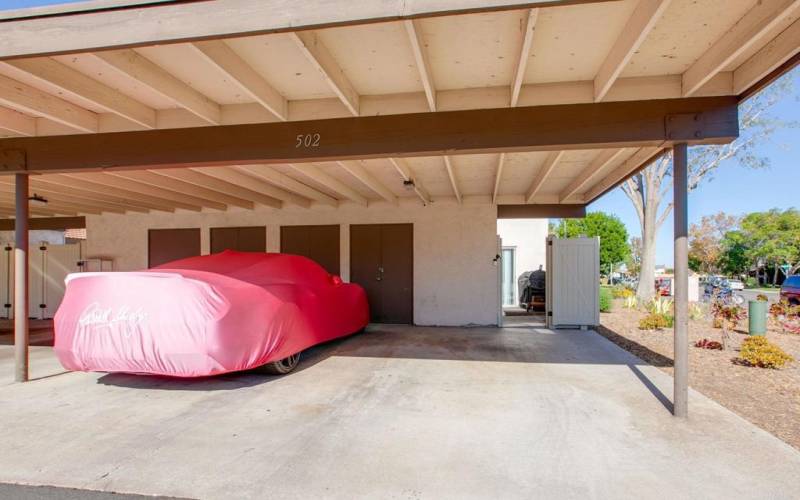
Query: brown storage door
<point x="382" y="261"/>
<point x="318" y="243"/>
<point x="242" y="239"/>
<point x="166" y="245"/>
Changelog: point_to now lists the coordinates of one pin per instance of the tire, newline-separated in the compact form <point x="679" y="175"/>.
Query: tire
<point x="281" y="367"/>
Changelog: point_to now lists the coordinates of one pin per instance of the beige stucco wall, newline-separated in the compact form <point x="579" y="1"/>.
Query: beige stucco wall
<point x="455" y="282"/>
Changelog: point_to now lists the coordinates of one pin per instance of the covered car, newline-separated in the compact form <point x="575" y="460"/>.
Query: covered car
<point x="205" y="315"/>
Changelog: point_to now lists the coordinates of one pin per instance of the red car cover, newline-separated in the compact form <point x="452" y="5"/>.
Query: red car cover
<point x="204" y="315"/>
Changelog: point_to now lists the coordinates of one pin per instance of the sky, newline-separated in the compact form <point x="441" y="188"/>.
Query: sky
<point x="734" y="189"/>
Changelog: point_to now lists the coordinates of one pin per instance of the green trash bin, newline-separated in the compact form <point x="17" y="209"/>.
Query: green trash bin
<point x="757" y="317"/>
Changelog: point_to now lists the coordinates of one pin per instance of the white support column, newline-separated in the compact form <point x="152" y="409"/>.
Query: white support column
<point x="681" y="284"/>
<point x="21" y="338"/>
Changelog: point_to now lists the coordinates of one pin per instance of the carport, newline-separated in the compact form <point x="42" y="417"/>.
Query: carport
<point x="443" y="114"/>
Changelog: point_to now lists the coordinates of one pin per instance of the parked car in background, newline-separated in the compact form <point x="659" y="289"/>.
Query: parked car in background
<point x="790" y="290"/>
<point x="735" y="285"/>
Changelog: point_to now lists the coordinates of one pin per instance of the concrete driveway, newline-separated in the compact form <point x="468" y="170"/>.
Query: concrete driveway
<point x="398" y="412"/>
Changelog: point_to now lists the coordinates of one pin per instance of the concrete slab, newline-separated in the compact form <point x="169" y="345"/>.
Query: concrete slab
<point x="397" y="412"/>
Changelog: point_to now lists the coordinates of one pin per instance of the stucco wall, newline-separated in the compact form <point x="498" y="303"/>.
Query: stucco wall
<point x="528" y="236"/>
<point x="455" y="282"/>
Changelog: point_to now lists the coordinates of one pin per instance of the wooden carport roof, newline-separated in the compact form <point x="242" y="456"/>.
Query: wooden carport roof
<point x="199" y="105"/>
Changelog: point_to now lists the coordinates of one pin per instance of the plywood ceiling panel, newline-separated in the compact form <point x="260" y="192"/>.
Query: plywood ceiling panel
<point x="474" y="50"/>
<point x="685" y="32"/>
<point x="570" y="43"/>
<point x="280" y="62"/>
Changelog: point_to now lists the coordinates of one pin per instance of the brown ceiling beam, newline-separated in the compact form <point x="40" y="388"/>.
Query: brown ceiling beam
<point x="650" y="123"/>
<point x="541" y="211"/>
<point x="53" y="223"/>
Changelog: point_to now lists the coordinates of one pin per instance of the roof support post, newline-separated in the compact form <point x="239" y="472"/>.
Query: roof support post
<point x="681" y="280"/>
<point x="21" y="338"/>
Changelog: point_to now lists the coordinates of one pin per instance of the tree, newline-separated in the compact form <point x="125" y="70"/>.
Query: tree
<point x="614" y="249"/>
<point x="647" y="189"/>
<point x="773" y="238"/>
<point x="705" y="241"/>
<point x="734" y="259"/>
<point x="634" y="262"/>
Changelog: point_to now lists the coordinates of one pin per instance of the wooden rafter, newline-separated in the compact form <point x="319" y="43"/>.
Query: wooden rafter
<point x="317" y="54"/>
<point x="113" y="181"/>
<point x="280" y="180"/>
<point x="213" y="183"/>
<point x="637" y="28"/>
<point x="357" y="170"/>
<point x="231" y="64"/>
<point x="146" y="72"/>
<point x="633" y="164"/>
<point x="255" y="183"/>
<point x="28" y="100"/>
<point x="16" y="122"/>
<point x="524" y="55"/>
<point x="498" y="174"/>
<point x="72" y="82"/>
<point x="421" y="59"/>
<point x="169" y="183"/>
<point x="44" y="183"/>
<point x="780" y="50"/>
<point x="601" y="161"/>
<point x="748" y="31"/>
<point x="544" y="172"/>
<point x="405" y="171"/>
<point x="451" y="174"/>
<point x="317" y="175"/>
<point x="83" y="183"/>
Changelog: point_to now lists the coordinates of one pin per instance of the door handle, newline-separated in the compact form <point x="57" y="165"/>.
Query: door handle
<point x="379" y="276"/>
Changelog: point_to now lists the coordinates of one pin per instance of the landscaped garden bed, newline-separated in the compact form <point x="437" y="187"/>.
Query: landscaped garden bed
<point x="769" y="398"/>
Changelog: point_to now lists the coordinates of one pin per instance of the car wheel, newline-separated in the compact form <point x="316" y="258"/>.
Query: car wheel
<point x="281" y="367"/>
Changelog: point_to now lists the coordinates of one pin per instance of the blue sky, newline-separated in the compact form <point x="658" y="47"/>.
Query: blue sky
<point x="734" y="189"/>
<point x="18" y="4"/>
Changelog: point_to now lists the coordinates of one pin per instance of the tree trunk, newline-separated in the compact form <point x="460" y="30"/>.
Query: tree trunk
<point x="645" y="291"/>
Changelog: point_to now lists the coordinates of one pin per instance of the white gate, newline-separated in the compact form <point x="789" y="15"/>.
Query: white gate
<point x="573" y="282"/>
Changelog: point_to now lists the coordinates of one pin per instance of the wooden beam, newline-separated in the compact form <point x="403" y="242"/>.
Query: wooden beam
<point x="56" y="195"/>
<point x="242" y="74"/>
<point x="316" y="174"/>
<point x="524" y="55"/>
<point x="165" y="182"/>
<point x="421" y="59"/>
<point x="81" y="184"/>
<point x="357" y="170"/>
<point x="544" y="172"/>
<point x="635" y="163"/>
<point x="147" y="189"/>
<point x="60" y="206"/>
<point x="67" y="80"/>
<point x="541" y="211"/>
<point x="255" y="183"/>
<point x="601" y="161"/>
<point x="451" y="174"/>
<point x="125" y="26"/>
<point x="700" y="120"/>
<point x="43" y="183"/>
<point x="144" y="71"/>
<point x="637" y="28"/>
<point x="318" y="55"/>
<point x="16" y="122"/>
<point x="748" y="31"/>
<point x="276" y="178"/>
<point x="28" y="100"/>
<point x="774" y="54"/>
<point x="6" y="203"/>
<point x="402" y="167"/>
<point x="52" y="223"/>
<point x="498" y="176"/>
<point x="227" y="188"/>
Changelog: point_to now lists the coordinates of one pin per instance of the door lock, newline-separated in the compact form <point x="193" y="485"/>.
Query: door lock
<point x="379" y="276"/>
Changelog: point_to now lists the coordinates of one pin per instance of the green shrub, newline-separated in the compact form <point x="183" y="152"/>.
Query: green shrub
<point x="656" y="321"/>
<point x="758" y="351"/>
<point x="605" y="300"/>
<point x="751" y="282"/>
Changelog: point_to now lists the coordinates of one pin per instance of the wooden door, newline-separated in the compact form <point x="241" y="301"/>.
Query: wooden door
<point x="318" y="243"/>
<point x="382" y="261"/>
<point x="166" y="245"/>
<point x="242" y="239"/>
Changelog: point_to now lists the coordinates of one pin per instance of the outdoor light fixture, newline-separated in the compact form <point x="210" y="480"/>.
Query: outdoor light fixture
<point x="409" y="184"/>
<point x="37" y="198"/>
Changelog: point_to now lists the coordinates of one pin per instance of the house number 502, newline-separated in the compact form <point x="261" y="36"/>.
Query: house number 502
<point x="307" y="141"/>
